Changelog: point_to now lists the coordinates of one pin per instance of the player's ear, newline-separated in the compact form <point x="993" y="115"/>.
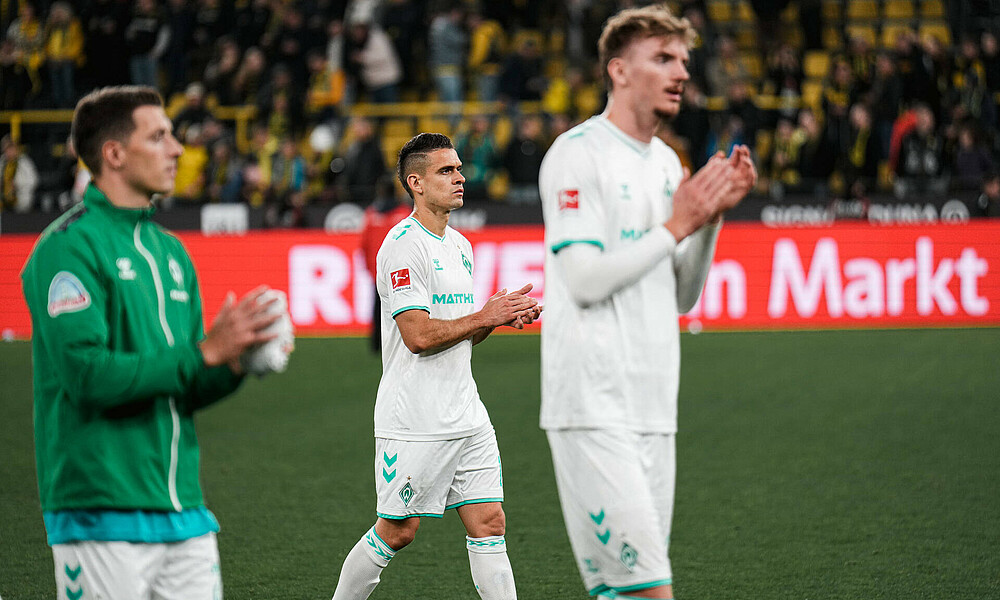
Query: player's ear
<point x="616" y="71"/>
<point x="113" y="153"/>
<point x="415" y="183"/>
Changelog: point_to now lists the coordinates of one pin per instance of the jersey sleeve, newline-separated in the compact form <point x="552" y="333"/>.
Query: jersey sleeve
<point x="68" y="299"/>
<point x="404" y="272"/>
<point x="573" y="208"/>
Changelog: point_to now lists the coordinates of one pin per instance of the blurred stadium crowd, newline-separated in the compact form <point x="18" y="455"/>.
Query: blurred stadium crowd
<point x="281" y="103"/>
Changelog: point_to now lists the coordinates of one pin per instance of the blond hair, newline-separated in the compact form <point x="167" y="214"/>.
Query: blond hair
<point x="635" y="24"/>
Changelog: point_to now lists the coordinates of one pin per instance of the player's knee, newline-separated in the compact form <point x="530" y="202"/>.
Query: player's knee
<point x="398" y="534"/>
<point x="495" y="522"/>
<point x="403" y="538"/>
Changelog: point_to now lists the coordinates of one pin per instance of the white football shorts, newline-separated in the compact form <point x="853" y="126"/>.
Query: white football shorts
<point x="186" y="570"/>
<point x="423" y="479"/>
<point x="616" y="489"/>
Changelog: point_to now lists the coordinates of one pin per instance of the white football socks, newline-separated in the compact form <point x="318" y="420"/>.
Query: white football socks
<point x="363" y="567"/>
<point x="491" y="570"/>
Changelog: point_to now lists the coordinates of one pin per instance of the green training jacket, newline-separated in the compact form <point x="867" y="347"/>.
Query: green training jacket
<point x="116" y="317"/>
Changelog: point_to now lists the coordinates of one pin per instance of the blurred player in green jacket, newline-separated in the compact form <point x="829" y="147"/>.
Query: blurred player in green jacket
<point x="121" y="362"/>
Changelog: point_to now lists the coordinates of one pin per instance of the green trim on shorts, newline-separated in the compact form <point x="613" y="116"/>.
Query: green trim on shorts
<point x="642" y="586"/>
<point x="406" y="308"/>
<point x="479" y="501"/>
<point x="629" y="588"/>
<point x="401" y="517"/>
<point x="562" y="245"/>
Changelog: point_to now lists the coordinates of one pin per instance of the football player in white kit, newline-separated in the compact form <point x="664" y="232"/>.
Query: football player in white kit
<point x="630" y="237"/>
<point x="435" y="447"/>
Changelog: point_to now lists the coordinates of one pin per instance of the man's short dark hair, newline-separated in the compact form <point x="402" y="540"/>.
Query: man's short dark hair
<point x="106" y="114"/>
<point x="413" y="155"/>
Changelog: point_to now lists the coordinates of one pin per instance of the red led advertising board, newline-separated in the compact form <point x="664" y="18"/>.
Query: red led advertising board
<point x="843" y="276"/>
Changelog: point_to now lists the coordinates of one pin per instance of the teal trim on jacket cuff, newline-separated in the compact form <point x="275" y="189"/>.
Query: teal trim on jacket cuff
<point x="562" y="245"/>
<point x="139" y="526"/>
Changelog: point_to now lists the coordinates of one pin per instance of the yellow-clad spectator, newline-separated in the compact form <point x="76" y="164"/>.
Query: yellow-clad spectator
<point x="969" y="78"/>
<point x="257" y="175"/>
<point x="28" y="36"/>
<point x="557" y="99"/>
<point x="190" y="182"/>
<point x="18" y="177"/>
<point x="571" y="94"/>
<point x="486" y="54"/>
<point x="326" y="87"/>
<point x="782" y="167"/>
<point x="279" y="121"/>
<point x="63" y="53"/>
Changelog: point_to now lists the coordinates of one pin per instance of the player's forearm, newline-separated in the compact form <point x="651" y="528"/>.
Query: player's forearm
<point x="435" y="335"/>
<point x="692" y="261"/>
<point x="100" y="378"/>
<point x="593" y="276"/>
<point x="210" y="385"/>
<point x="481" y="335"/>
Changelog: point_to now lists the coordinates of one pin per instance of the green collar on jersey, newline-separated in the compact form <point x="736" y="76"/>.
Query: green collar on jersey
<point x="95" y="199"/>
<point x="439" y="238"/>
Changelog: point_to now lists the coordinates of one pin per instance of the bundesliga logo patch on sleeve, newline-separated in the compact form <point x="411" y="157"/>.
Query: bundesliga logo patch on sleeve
<point x="400" y="279"/>
<point x="569" y="199"/>
<point x="67" y="294"/>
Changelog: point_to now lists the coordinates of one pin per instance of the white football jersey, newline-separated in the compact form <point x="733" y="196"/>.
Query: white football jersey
<point x="430" y="396"/>
<point x="614" y="364"/>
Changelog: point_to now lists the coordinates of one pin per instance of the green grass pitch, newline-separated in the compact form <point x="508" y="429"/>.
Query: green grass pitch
<point x="811" y="465"/>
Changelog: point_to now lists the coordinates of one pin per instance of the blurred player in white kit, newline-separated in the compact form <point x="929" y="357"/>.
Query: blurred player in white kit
<point x="630" y="237"/>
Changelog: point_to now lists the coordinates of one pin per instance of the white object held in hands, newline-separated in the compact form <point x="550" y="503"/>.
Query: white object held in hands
<point x="272" y="356"/>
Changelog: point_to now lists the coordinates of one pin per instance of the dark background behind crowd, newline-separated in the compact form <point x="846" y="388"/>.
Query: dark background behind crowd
<point x="283" y="103"/>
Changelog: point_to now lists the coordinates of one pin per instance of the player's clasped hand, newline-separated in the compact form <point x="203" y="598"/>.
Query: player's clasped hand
<point x="237" y="327"/>
<point x="532" y="314"/>
<point x="743" y="178"/>
<point x="515" y="309"/>
<point x="699" y="196"/>
<point x="717" y="187"/>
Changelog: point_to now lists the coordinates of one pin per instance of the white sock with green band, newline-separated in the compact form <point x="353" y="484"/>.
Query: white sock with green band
<point x="363" y="567"/>
<point x="491" y="570"/>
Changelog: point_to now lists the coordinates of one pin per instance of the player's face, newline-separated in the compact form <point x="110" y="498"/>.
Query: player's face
<point x="443" y="182"/>
<point x="654" y="70"/>
<point x="151" y="152"/>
